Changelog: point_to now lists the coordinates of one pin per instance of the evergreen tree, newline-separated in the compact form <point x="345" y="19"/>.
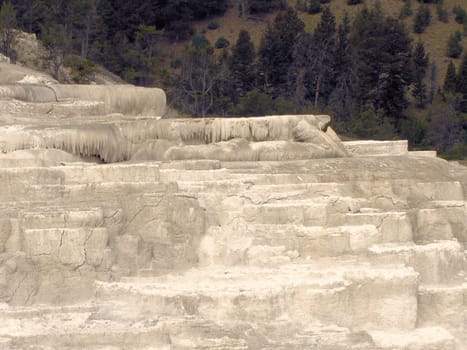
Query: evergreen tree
<point x="460" y="14"/>
<point x="264" y="6"/>
<point x="276" y="50"/>
<point x="84" y="18"/>
<point x="442" y="13"/>
<point x="433" y="82"/>
<point x="454" y="49"/>
<point x="7" y="27"/>
<point x="314" y="7"/>
<point x="383" y="59"/>
<point x="147" y="55"/>
<point x="420" y="61"/>
<point x="362" y="20"/>
<point x="30" y="13"/>
<point x="450" y="80"/>
<point x="406" y="10"/>
<point x="242" y="64"/>
<point x="57" y="43"/>
<point x="422" y="19"/>
<point x="345" y="24"/>
<point x="462" y="83"/>
<point x="324" y="38"/>
<point x="299" y="73"/>
<point x="311" y="76"/>
<point x="341" y="98"/>
<point x="325" y="31"/>
<point x="342" y="54"/>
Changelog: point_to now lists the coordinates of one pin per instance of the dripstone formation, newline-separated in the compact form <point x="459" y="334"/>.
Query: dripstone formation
<point x="123" y="230"/>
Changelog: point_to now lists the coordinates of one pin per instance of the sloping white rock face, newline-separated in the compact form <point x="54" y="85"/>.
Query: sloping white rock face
<point x="120" y="139"/>
<point x="249" y="233"/>
<point x="125" y="99"/>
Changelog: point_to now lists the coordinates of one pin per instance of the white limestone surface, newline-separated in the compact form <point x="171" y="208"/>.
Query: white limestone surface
<point x="377" y="148"/>
<point x="219" y="233"/>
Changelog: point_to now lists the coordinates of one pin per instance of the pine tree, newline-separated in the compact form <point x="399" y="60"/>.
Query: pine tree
<point x="422" y="19"/>
<point x="299" y="72"/>
<point x="314" y="7"/>
<point x="433" y="82"/>
<point x="55" y="39"/>
<point x="325" y="31"/>
<point x="462" y="83"/>
<point x="311" y="76"/>
<point x="29" y="14"/>
<point x="346" y="23"/>
<point x="324" y="37"/>
<point x="420" y="61"/>
<point x="7" y="27"/>
<point x="442" y="13"/>
<point x="460" y="14"/>
<point x="341" y="98"/>
<point x="406" y="10"/>
<point x="242" y="64"/>
<point x="276" y="50"/>
<point x="263" y="6"/>
<point x="383" y="66"/>
<point x="84" y="14"/>
<point x="450" y="80"/>
<point x="454" y="49"/>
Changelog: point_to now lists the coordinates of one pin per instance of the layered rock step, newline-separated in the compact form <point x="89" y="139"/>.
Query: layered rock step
<point x="59" y="217"/>
<point x="88" y="327"/>
<point x="262" y="245"/>
<point x="104" y="327"/>
<point x="247" y="256"/>
<point x="262" y="226"/>
<point x="350" y="295"/>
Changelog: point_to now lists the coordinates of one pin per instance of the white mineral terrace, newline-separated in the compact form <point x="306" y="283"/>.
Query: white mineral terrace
<point x="120" y="229"/>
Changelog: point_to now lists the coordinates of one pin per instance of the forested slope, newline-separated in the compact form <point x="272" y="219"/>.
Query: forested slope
<point x="382" y="69"/>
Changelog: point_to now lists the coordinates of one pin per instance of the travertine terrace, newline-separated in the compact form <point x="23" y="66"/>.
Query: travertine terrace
<point x="123" y="230"/>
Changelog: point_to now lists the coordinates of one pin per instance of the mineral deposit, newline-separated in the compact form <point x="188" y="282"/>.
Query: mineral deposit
<point x="120" y="229"/>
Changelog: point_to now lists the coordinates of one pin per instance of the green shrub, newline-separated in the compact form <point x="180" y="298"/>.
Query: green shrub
<point x="221" y="43"/>
<point x="213" y="25"/>
<point x="200" y="42"/>
<point x="82" y="69"/>
<point x="255" y="103"/>
<point x="176" y="63"/>
<point x="461" y="14"/>
<point x="406" y="10"/>
<point x="457" y="152"/>
<point x="442" y="13"/>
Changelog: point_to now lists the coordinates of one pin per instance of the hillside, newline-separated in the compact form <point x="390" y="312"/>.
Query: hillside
<point x="423" y="126"/>
<point x="230" y="24"/>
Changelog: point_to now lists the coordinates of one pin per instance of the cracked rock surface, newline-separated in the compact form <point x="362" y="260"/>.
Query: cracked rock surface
<point x="136" y="232"/>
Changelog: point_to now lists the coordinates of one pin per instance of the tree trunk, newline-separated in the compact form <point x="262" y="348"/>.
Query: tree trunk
<point x="318" y="84"/>
<point x="244" y="9"/>
<point x="85" y="38"/>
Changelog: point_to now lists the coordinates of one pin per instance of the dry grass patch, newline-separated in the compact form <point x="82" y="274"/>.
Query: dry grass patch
<point x="230" y="24"/>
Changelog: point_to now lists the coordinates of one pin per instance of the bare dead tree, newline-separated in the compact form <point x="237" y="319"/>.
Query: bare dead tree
<point x="197" y="82"/>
